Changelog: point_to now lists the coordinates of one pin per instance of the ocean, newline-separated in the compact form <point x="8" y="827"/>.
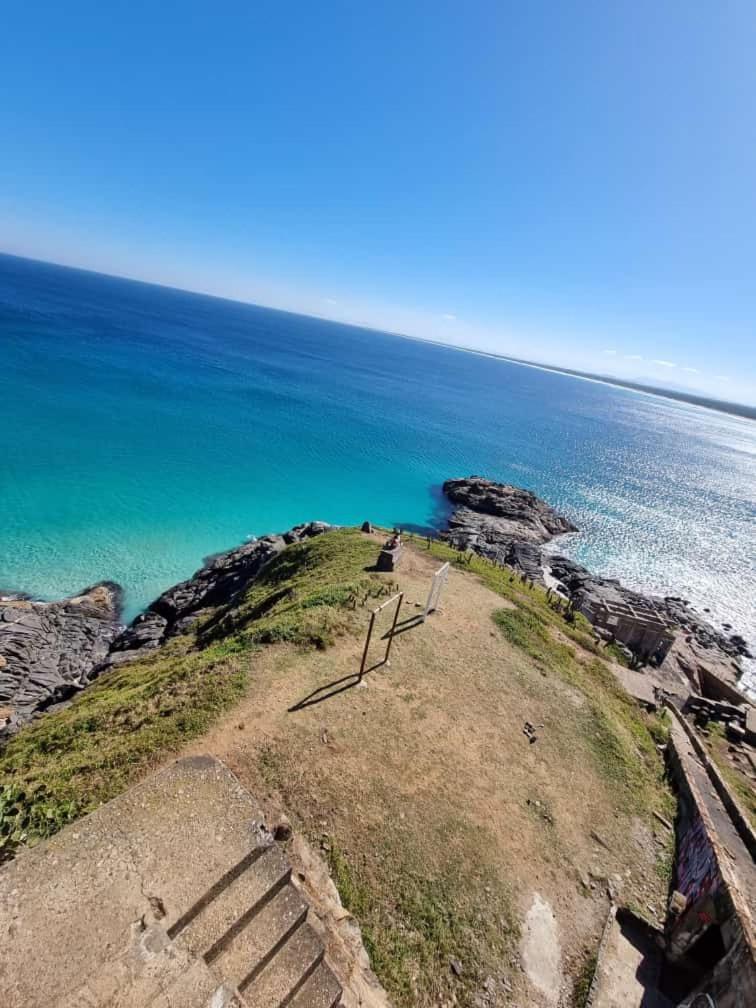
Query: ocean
<point x="144" y="428"/>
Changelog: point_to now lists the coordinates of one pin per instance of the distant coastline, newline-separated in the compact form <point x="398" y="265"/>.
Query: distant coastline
<point x="719" y="405"/>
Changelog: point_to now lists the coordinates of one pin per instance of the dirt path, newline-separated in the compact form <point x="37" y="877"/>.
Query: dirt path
<point x="428" y="756"/>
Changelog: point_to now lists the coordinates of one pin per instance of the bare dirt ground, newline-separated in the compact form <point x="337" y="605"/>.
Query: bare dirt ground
<point x="426" y="760"/>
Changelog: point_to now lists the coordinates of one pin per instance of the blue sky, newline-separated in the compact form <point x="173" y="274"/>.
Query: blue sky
<point x="570" y="182"/>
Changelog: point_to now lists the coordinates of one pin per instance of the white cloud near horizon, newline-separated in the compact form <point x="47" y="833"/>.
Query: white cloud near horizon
<point x="449" y="317"/>
<point x="664" y="363"/>
<point x="632" y="356"/>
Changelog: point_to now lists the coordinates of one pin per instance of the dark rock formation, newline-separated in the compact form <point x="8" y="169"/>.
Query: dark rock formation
<point x="706" y="635"/>
<point x="49" y="650"/>
<point x="509" y="526"/>
<point x="145" y="634"/>
<point x="579" y="581"/>
<point x="501" y="522"/>
<point x="214" y="584"/>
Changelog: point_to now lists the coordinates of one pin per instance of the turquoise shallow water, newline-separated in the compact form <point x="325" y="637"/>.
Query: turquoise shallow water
<point x="142" y="429"/>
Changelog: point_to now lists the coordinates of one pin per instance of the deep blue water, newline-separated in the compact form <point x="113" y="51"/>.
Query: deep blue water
<point x="143" y="428"/>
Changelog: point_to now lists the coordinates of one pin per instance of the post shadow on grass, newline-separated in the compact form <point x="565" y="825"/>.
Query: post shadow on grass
<point x="349" y="682"/>
<point x="333" y="689"/>
<point x="404" y="625"/>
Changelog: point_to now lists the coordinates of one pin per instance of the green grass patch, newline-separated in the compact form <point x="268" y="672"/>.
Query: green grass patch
<point x="581" y="988"/>
<point x="417" y="916"/>
<point x="665" y="861"/>
<point x="736" y="780"/>
<point x="69" y="762"/>
<point x="307" y="595"/>
<point x="617" y="654"/>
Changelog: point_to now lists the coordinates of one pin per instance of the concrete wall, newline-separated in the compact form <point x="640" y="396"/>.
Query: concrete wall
<point x="703" y="875"/>
<point x="737" y="813"/>
<point x="645" y="639"/>
<point x="698" y="878"/>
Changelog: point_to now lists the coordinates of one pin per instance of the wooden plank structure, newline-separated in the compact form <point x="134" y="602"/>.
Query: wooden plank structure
<point x="398" y="598"/>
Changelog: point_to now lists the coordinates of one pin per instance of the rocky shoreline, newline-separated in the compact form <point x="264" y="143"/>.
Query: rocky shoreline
<point x="51" y="650"/>
<point x="512" y="526"/>
<point x="503" y="523"/>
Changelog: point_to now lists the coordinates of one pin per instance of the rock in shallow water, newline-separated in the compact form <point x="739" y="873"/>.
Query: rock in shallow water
<point x="49" y="650"/>
<point x="503" y="523"/>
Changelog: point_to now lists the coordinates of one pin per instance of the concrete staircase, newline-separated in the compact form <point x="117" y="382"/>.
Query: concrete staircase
<point x="251" y="931"/>
<point x="171" y="896"/>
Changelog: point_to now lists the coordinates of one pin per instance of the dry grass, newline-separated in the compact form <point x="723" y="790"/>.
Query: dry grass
<point x="439" y="817"/>
<point x="734" y="768"/>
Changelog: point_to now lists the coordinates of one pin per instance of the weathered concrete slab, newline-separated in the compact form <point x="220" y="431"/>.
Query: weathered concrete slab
<point x="751" y="726"/>
<point x="173" y="895"/>
<point x="540" y="950"/>
<point x="629" y="962"/>
<point x="639" y="685"/>
<point x="717" y="877"/>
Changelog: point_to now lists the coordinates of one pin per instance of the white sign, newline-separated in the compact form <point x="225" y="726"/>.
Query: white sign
<point x="437" y="584"/>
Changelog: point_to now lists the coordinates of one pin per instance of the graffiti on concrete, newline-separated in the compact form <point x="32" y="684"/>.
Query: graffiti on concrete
<point x="697" y="870"/>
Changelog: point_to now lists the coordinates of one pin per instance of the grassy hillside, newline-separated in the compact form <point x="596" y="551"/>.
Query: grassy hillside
<point x="69" y="762"/>
<point x="438" y="816"/>
<point x="622" y="738"/>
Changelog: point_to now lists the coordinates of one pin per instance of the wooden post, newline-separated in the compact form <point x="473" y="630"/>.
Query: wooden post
<point x="367" y="642"/>
<point x="373" y="614"/>
<point x="393" y="625"/>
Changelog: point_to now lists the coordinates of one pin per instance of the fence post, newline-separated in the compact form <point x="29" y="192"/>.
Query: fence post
<point x="393" y="625"/>
<point x="367" y="643"/>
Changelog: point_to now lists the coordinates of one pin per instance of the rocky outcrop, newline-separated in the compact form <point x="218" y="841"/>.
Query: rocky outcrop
<point x="510" y="526"/>
<point x="702" y="632"/>
<point x="49" y="650"/>
<point x="697" y="630"/>
<point x="502" y="522"/>
<point x="701" y="655"/>
<point x="216" y="583"/>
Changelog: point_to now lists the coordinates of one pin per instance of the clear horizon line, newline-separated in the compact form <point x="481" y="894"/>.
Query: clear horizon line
<point x="640" y="388"/>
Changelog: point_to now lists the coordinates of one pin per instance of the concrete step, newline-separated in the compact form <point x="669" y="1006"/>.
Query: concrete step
<point x="163" y="898"/>
<point x="247" y="951"/>
<point x="194" y="983"/>
<point x="287" y="971"/>
<point x="230" y="902"/>
<point x="321" y="990"/>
